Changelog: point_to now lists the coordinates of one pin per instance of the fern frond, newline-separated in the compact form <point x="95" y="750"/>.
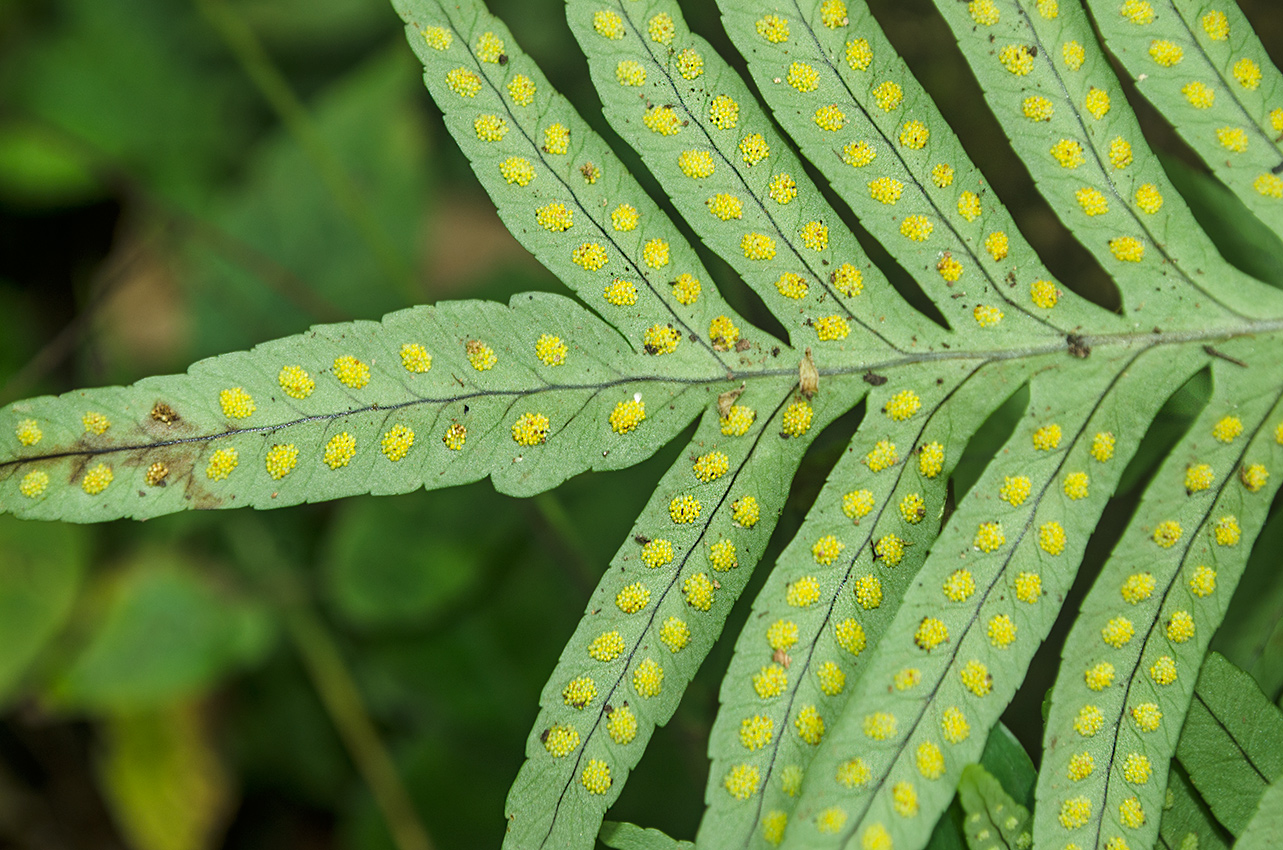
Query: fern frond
<point x="1129" y="663"/>
<point x="835" y="589"/>
<point x="738" y="184"/>
<point x="628" y="836"/>
<point x="1232" y="743"/>
<point x="900" y="166"/>
<point x="1185" y="814"/>
<point x="1049" y="84"/>
<point x="1263" y="830"/>
<point x="658" y="609"/>
<point x="1205" y="70"/>
<point x="994" y="821"/>
<point x="945" y="669"/>
<point x="429" y="397"/>
<point x="559" y="188"/>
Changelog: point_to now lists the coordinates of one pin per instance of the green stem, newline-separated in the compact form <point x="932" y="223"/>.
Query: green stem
<point x="276" y="90"/>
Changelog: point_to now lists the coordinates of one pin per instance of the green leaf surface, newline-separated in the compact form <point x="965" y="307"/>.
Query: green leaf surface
<point x="1232" y="743"/>
<point x="1265" y="827"/>
<point x="166" y="633"/>
<point x="1205" y="70"/>
<point x="993" y="819"/>
<point x="629" y="836"/>
<point x="40" y="573"/>
<point x="1127" y="673"/>
<point x="1185" y="814"/>
<point x="1252" y="635"/>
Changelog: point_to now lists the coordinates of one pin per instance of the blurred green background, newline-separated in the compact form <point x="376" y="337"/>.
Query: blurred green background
<point x="180" y="179"/>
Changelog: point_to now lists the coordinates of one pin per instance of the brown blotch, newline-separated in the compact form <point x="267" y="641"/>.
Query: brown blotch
<point x="162" y="412"/>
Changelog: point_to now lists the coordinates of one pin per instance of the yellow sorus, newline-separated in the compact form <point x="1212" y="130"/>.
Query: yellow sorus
<point x="1216" y="25"/>
<point x="97" y="479"/>
<point x="868" y="592"/>
<point x="782" y="635"/>
<point x="711" y="466"/>
<point x="803" y="593"/>
<point x="517" y="169"/>
<point x="627" y="415"/>
<point x="959" y="586"/>
<point x="1017" y="59"/>
<point x="607" y="646"/>
<point x="34" y="484"/>
<point x="832" y="679"/>
<point x="690" y="64"/>
<point x="655" y="253"/>
<point x="850" y="636"/>
<point x="608" y="25"/>
<point x="858" y="54"/>
<point x="949" y="268"/>
<point x="490" y="48"/>
<point x="880" y="725"/>
<point x="826" y="549"/>
<point x="397" y="441"/>
<point x="829" y="328"/>
<point x="632" y="598"/>
<point x="28" y="431"/>
<point x="1248" y="74"/>
<point x="555" y="217"/>
<point x="754" y="149"/>
<point x="156" y="474"/>
<point x="1044" y="294"/>
<point x="661" y="29"/>
<point x="773" y="28"/>
<point x="931" y="459"/>
<point x="848" y="280"/>
<point x="1089" y="721"/>
<point x="340" y="450"/>
<point x="742" y="781"/>
<point x="454" y="437"/>
<point x="684" y="509"/>
<point x="438" y="38"/>
<point x="792" y="285"/>
<point x="1132" y="814"/>
<point x="281" y="460"/>
<point x="630" y="73"/>
<point x="589" y="256"/>
<point x="997" y="245"/>
<point x="774" y="823"/>
<point x="1102" y="446"/>
<point x="1254" y="476"/>
<point x="745" y="512"/>
<point x="725" y="207"/>
<point x="890" y="549"/>
<point x="1167" y="534"/>
<point x="1137" y="11"/>
<point x="1198" y="477"/>
<point x="930" y="760"/>
<point x="236" y="403"/>
<point x="815" y="235"/>
<point x="931" y="633"/>
<point x="1038" y="108"/>
<point x="696" y="164"/>
<point x="480" y="355"/>
<point x="738" y="420"/>
<point x="490" y="128"/>
<point x="833" y="14"/>
<point x="770" y="681"/>
<point x="976" y="678"/>
<point x="1180" y="627"/>
<point x="1081" y="766"/>
<point x="662" y="120"/>
<point x="1227" y="429"/>
<point x="1073" y="54"/>
<point x="797" y="418"/>
<point x="954" y="725"/>
<point x="463" y="82"/>
<point x="1049" y="9"/>
<point x="986" y="315"/>
<point x="809" y="725"/>
<point x="1137" y="587"/>
<point x="858" y="503"/>
<point x="520" y="88"/>
<point x="556" y="139"/>
<point x="550" y="350"/>
<point x="902" y="405"/>
<point x="1068" y="153"/>
<point x="983" y="12"/>
<point x="621" y="725"/>
<point x="351" y="372"/>
<point x="95" y="422"/>
<point x="1163" y="671"/>
<point x="1002" y="631"/>
<point x="1232" y="139"/>
<point x="686" y="289"/>
<point x="886" y="189"/>
<point x="414" y="357"/>
<point x="624" y="218"/>
<point x="888" y="96"/>
<point x="530" y="429"/>
<point x="596" y="773"/>
<point x="942" y="175"/>
<point x="1227" y="531"/>
<point x="660" y="339"/>
<point x="1092" y="201"/>
<point x="1051" y="538"/>
<point x="1127" y="248"/>
<point x="657" y="553"/>
<point x="1120" y="153"/>
<point x="1028" y="587"/>
<point x="560" y="741"/>
<point x="1165" y="53"/>
<point x="1076" y="485"/>
<point x="1047" y="437"/>
<point x="883" y="455"/>
<point x="1100" y="676"/>
<point x="1118" y="632"/>
<point x="1075" y="812"/>
<point x="621" y="293"/>
<point x="914" y="135"/>
<point x="648" y="679"/>
<point x="989" y="536"/>
<point x="969" y="206"/>
<point x="783" y="188"/>
<point x="723" y="333"/>
<point x="1097" y="103"/>
<point x="1199" y="95"/>
<point x="1015" y="490"/>
<point x="916" y="227"/>
<point x="858" y="154"/>
<point x="724" y="112"/>
<point x="675" y="634"/>
<point x="803" y="77"/>
<point x="1148" y="717"/>
<point x="221" y="464"/>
